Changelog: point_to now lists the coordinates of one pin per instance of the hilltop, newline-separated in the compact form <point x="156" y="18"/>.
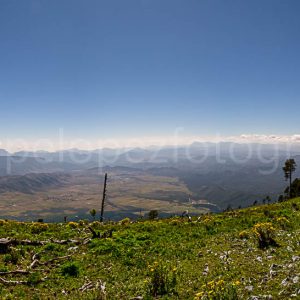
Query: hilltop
<point x="249" y="253"/>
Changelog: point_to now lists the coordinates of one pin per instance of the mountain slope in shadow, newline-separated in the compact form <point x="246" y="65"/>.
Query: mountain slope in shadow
<point x="33" y="182"/>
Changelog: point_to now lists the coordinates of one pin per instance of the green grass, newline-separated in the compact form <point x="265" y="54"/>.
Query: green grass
<point x="218" y="256"/>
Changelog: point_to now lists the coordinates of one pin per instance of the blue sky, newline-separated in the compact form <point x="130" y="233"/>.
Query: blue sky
<point x="101" y="69"/>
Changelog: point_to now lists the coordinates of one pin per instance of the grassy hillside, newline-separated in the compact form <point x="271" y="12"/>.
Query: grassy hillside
<point x="234" y="255"/>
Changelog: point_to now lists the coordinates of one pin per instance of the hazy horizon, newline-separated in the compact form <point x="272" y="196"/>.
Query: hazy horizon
<point x="143" y="142"/>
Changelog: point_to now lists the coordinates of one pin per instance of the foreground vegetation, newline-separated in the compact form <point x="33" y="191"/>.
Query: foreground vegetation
<point x="240" y="254"/>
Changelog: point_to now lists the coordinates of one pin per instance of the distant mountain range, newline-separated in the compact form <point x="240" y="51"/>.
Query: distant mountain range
<point x="18" y="165"/>
<point x="4" y="152"/>
<point x="159" y="154"/>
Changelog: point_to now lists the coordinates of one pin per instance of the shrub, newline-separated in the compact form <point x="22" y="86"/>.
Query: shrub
<point x="83" y="222"/>
<point x="295" y="206"/>
<point x="73" y="225"/>
<point x="93" y="213"/>
<point x="244" y="234"/>
<point x="105" y="246"/>
<point x="209" y="224"/>
<point x="125" y="221"/>
<point x="218" y="290"/>
<point x="153" y="214"/>
<point x="265" y="233"/>
<point x="283" y="222"/>
<point x="52" y="247"/>
<point x="268" y="213"/>
<point x="37" y="228"/>
<point x="162" y="280"/>
<point x="96" y="224"/>
<point x="70" y="269"/>
<point x="34" y="278"/>
<point x="2" y="222"/>
<point x="13" y="257"/>
<point x="3" y="268"/>
<point x="7" y="258"/>
<point x="175" y="222"/>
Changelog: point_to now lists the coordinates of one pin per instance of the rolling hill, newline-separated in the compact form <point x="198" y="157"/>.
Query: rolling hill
<point x="250" y="253"/>
<point x="31" y="183"/>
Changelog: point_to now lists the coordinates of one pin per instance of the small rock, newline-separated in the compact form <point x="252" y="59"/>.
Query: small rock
<point x="295" y="258"/>
<point x="73" y="248"/>
<point x="284" y="282"/>
<point x="206" y="270"/>
<point x="249" y="288"/>
<point x="295" y="279"/>
<point x="259" y="258"/>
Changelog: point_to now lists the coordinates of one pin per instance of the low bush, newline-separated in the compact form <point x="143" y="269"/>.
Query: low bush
<point x="73" y="225"/>
<point x="218" y="290"/>
<point x="34" y="278"/>
<point x="153" y="214"/>
<point x="37" y="228"/>
<point x="162" y="280"/>
<point x="244" y="234"/>
<point x="283" y="222"/>
<point x="125" y="221"/>
<point x="12" y="257"/>
<point x="265" y="234"/>
<point x="70" y="269"/>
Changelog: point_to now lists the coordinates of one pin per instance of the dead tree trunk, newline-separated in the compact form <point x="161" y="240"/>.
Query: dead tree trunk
<point x="103" y="198"/>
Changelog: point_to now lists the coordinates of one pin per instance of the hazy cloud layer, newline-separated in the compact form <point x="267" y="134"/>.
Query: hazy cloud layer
<point x="176" y="139"/>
